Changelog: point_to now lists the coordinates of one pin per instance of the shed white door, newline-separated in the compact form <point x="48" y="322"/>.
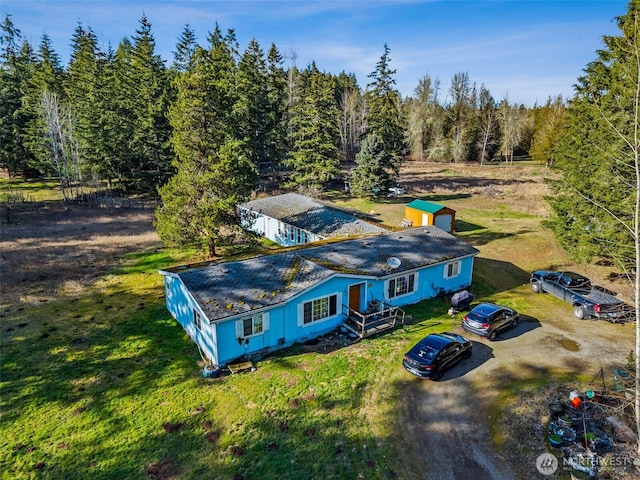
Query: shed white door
<point x="443" y="222"/>
<point x="425" y="220"/>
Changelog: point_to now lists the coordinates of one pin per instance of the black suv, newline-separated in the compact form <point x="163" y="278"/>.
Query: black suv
<point x="435" y="353"/>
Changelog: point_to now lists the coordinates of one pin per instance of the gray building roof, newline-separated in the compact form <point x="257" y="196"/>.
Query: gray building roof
<point x="226" y="289"/>
<point x="321" y="218"/>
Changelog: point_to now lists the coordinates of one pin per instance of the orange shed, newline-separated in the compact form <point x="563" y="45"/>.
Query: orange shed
<point x="422" y="213"/>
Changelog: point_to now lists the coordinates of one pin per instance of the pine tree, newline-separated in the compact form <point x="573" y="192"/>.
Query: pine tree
<point x="277" y="108"/>
<point x="213" y="173"/>
<point x="370" y="176"/>
<point x="314" y="136"/>
<point x="384" y="113"/>
<point x="81" y="90"/>
<point x="251" y="109"/>
<point x="596" y="207"/>
<point x="46" y="76"/>
<point x="16" y="63"/>
<point x="548" y="123"/>
<point x="150" y="147"/>
<point x="185" y="48"/>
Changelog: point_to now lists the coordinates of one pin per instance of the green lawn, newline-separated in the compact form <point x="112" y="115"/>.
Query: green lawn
<point x="106" y="385"/>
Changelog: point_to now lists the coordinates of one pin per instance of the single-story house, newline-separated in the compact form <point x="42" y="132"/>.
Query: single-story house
<point x="294" y="219"/>
<point x="247" y="308"/>
<point x="423" y="213"/>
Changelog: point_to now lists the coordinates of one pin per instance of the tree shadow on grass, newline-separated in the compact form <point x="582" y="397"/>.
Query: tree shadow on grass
<point x="486" y="282"/>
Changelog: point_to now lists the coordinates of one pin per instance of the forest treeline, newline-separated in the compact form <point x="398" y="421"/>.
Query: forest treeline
<point x="199" y="132"/>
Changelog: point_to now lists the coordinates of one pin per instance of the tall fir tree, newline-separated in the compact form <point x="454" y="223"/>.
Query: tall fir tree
<point x="16" y="63"/>
<point x="596" y="206"/>
<point x="277" y="108"/>
<point x="185" y="48"/>
<point x="251" y="108"/>
<point x="384" y="114"/>
<point x="150" y="145"/>
<point x="83" y="94"/>
<point x="213" y="173"/>
<point x="314" y="136"/>
<point x="47" y="76"/>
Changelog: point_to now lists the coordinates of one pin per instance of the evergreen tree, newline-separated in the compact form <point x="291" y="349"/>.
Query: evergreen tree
<point x="596" y="205"/>
<point x="46" y="76"/>
<point x="548" y="124"/>
<point x="83" y="95"/>
<point x="185" y="48"/>
<point x="371" y="175"/>
<point x="314" y="154"/>
<point x="251" y="109"/>
<point x="16" y="63"/>
<point x="277" y="108"/>
<point x="150" y="146"/>
<point x="384" y="113"/>
<point x="213" y="173"/>
<point x="462" y="110"/>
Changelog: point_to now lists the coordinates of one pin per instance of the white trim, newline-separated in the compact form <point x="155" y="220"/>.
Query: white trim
<point x="402" y="275"/>
<point x="458" y="264"/>
<point x="300" y="309"/>
<point x="240" y="325"/>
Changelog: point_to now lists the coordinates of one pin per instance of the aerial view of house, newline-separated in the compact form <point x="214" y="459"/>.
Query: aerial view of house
<point x="294" y="219"/>
<point x="250" y="307"/>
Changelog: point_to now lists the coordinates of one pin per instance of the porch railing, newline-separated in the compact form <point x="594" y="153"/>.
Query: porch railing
<point x="378" y="316"/>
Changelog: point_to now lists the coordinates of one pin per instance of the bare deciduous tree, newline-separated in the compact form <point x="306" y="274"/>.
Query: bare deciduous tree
<point x="58" y="122"/>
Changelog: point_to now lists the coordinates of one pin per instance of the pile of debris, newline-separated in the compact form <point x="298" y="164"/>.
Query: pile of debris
<point x="589" y="431"/>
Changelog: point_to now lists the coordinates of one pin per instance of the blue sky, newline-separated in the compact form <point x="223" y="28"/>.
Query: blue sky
<point x="522" y="50"/>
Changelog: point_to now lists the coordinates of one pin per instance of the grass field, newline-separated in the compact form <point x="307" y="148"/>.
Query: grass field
<point x="102" y="383"/>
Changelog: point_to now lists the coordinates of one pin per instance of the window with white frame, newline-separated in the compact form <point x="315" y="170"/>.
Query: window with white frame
<point x="253" y="325"/>
<point x="319" y="309"/>
<point x="452" y="269"/>
<point x="403" y="285"/>
<point x="197" y="320"/>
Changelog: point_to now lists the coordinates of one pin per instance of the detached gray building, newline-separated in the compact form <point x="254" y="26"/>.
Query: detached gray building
<point x="294" y="219"/>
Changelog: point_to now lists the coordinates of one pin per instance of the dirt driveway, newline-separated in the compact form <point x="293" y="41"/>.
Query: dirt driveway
<point x="450" y="420"/>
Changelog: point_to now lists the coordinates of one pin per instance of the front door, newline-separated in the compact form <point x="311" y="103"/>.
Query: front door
<point x="355" y="296"/>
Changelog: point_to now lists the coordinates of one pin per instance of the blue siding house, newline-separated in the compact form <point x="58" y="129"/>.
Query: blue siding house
<point x="245" y="309"/>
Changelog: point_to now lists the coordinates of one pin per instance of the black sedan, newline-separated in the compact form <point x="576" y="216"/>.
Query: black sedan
<point x="489" y="319"/>
<point x="435" y="353"/>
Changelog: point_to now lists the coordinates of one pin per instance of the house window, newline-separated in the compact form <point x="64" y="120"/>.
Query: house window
<point x="402" y="285"/>
<point x="197" y="320"/>
<point x="168" y="286"/>
<point x="452" y="269"/>
<point x="252" y="325"/>
<point x="320" y="309"/>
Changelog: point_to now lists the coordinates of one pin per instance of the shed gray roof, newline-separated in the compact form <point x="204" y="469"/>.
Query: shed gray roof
<point x="321" y="218"/>
<point x="226" y="289"/>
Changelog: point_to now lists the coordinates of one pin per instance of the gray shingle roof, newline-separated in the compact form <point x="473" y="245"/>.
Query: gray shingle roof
<point x="230" y="288"/>
<point x="311" y="215"/>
